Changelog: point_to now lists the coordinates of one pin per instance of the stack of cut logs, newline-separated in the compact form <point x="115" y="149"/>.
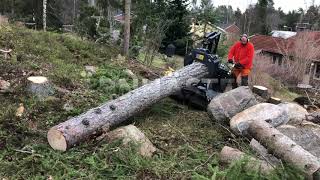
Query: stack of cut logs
<point x="271" y="125"/>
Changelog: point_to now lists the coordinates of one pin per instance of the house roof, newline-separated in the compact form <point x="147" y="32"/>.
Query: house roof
<point x="283" y="34"/>
<point x="269" y="44"/>
<point x="296" y="44"/>
<point x="233" y="29"/>
<point x="121" y="17"/>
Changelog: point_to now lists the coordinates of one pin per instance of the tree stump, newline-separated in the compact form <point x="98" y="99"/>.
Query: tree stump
<point x="39" y="86"/>
<point x="274" y="100"/>
<point x="261" y="91"/>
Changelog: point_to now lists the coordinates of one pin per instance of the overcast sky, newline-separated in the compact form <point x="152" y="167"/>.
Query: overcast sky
<point x="286" y="5"/>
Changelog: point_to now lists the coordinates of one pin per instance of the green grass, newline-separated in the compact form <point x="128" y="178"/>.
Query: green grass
<point x="187" y="140"/>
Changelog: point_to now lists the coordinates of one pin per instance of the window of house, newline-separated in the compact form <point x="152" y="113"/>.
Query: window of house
<point x="280" y="61"/>
<point x="274" y="59"/>
<point x="308" y="69"/>
<point x="317" y="71"/>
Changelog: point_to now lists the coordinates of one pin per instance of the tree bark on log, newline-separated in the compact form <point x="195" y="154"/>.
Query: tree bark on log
<point x="77" y="129"/>
<point x="229" y="155"/>
<point x="263" y="153"/>
<point x="284" y="148"/>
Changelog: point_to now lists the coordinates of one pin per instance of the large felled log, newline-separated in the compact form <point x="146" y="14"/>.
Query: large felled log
<point x="284" y="148"/>
<point x="304" y="136"/>
<point x="229" y="155"/>
<point x="263" y="153"/>
<point x="77" y="129"/>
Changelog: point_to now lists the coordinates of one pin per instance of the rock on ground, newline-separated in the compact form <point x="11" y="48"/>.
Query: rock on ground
<point x="303" y="136"/>
<point x="296" y="113"/>
<point x="91" y="69"/>
<point x="129" y="73"/>
<point x="132" y="134"/>
<point x="270" y="113"/>
<point x="4" y="86"/>
<point x="224" y="106"/>
<point x="314" y="117"/>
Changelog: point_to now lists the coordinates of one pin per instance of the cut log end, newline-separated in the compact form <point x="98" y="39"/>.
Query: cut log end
<point x="274" y="100"/>
<point x="261" y="91"/>
<point x="40" y="87"/>
<point x="38" y="79"/>
<point x="57" y="140"/>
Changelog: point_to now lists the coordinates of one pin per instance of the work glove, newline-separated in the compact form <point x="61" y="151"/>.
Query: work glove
<point x="238" y="66"/>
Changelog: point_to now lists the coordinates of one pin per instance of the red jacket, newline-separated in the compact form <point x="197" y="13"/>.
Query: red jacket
<point x="242" y="54"/>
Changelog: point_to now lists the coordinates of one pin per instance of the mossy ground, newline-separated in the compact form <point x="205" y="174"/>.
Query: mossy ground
<point x="187" y="140"/>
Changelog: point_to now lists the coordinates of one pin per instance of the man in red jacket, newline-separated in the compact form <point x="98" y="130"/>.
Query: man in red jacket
<point x="241" y="54"/>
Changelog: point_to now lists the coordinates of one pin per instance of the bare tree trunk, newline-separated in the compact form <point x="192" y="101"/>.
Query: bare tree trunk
<point x="12" y="7"/>
<point x="110" y="14"/>
<point x="77" y="129"/>
<point x="285" y="148"/>
<point x="127" y="27"/>
<point x="74" y="12"/>
<point x="44" y="15"/>
<point x="205" y="29"/>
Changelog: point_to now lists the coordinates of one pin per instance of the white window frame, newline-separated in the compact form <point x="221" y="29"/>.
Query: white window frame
<point x="316" y="65"/>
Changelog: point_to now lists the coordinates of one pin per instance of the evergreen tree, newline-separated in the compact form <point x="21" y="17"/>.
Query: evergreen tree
<point x="262" y="13"/>
<point x="180" y="26"/>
